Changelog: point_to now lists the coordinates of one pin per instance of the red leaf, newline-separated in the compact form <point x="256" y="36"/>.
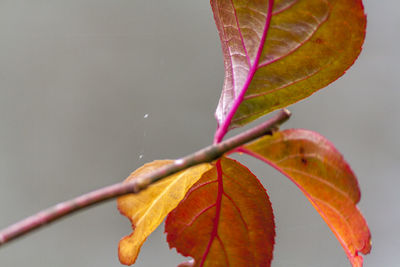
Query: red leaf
<point x="320" y="171"/>
<point x="225" y="219"/>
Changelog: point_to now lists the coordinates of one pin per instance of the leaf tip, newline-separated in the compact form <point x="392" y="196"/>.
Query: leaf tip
<point x="127" y="251"/>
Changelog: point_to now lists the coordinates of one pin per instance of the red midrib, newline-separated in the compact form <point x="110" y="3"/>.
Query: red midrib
<point x="214" y="232"/>
<point x="223" y="128"/>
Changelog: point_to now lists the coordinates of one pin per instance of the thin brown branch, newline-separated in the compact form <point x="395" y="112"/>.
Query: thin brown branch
<point x="207" y="154"/>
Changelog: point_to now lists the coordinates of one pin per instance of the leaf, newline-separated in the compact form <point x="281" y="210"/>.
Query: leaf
<point x="278" y="53"/>
<point x="225" y="219"/>
<point x="320" y="171"/>
<point x="147" y="209"/>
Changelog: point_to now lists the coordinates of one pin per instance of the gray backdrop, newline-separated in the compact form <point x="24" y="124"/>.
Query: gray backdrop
<point x="77" y="78"/>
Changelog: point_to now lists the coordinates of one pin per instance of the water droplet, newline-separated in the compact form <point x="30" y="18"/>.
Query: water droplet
<point x="141" y="156"/>
<point x="146" y="115"/>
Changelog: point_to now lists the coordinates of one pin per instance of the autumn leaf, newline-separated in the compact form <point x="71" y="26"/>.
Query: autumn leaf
<point x="279" y="52"/>
<point x="225" y="219"/>
<point x="147" y="209"/>
<point x="320" y="171"/>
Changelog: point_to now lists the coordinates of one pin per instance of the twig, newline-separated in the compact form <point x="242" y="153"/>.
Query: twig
<point x="207" y="154"/>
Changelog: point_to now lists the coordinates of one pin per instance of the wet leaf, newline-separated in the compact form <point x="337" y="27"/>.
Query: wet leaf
<point x="320" y="171"/>
<point x="148" y="209"/>
<point x="225" y="219"/>
<point x="279" y="52"/>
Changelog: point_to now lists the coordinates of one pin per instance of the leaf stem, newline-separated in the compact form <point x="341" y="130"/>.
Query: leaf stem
<point x="207" y="154"/>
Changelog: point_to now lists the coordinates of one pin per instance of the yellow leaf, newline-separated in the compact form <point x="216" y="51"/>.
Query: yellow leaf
<point x="147" y="209"/>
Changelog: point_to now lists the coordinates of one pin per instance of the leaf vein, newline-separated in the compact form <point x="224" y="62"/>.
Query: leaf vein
<point x="318" y="178"/>
<point x="200" y="213"/>
<point x="224" y="250"/>
<point x="238" y="210"/>
<point x="240" y="33"/>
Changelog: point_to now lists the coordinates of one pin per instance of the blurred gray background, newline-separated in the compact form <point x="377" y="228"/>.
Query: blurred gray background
<point x="77" y="79"/>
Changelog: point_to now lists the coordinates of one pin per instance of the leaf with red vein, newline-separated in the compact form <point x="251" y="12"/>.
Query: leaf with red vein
<point x="279" y="52"/>
<point x="147" y="209"/>
<point x="320" y="171"/>
<point x="225" y="219"/>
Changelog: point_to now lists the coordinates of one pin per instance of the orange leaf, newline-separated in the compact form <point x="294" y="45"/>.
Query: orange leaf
<point x="225" y="219"/>
<point x="279" y="52"/>
<point x="320" y="171"/>
<point x="147" y="209"/>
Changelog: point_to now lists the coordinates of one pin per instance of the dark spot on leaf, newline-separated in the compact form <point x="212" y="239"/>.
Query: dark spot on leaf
<point x="303" y="159"/>
<point x="319" y="41"/>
